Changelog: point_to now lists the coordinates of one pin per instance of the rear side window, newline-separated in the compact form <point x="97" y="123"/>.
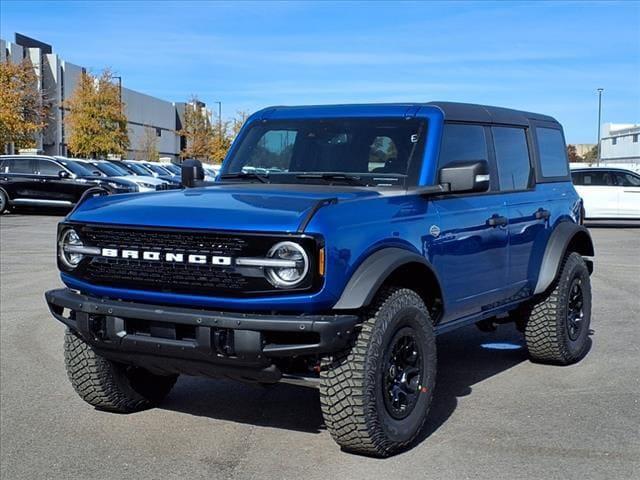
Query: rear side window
<point x="512" y="157"/>
<point x="553" y="153"/>
<point x="598" y="178"/>
<point x="18" y="165"/>
<point x="462" y="143"/>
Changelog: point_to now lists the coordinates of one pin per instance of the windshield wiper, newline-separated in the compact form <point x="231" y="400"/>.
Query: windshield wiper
<point x="352" y="179"/>
<point x="245" y="175"/>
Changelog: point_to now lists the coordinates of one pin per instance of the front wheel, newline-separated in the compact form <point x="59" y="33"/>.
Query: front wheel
<point x="557" y="327"/>
<point x="4" y="202"/>
<point x="376" y="395"/>
<point x="109" y="385"/>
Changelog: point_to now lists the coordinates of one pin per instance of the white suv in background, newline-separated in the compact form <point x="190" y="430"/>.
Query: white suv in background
<point x="608" y="193"/>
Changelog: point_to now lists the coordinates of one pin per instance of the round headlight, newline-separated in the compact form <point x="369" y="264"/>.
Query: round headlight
<point x="68" y="240"/>
<point x="288" y="276"/>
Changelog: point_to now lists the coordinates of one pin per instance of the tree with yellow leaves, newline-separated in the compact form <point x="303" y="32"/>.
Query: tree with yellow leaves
<point x="196" y="130"/>
<point x="147" y="148"/>
<point x="95" y="118"/>
<point x="22" y="108"/>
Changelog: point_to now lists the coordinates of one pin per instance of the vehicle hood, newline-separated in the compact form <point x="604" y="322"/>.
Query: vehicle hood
<point x="249" y="207"/>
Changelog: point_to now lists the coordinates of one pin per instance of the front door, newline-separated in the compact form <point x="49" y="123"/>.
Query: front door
<point x="52" y="187"/>
<point x="470" y="249"/>
<point x="629" y="194"/>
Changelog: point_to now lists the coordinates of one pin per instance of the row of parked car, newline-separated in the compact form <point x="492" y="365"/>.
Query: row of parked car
<point x="38" y="180"/>
<point x="55" y="181"/>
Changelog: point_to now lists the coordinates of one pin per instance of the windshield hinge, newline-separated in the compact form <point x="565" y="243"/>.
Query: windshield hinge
<point x="312" y="211"/>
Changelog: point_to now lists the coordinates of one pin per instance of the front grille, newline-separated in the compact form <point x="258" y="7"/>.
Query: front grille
<point x="176" y="277"/>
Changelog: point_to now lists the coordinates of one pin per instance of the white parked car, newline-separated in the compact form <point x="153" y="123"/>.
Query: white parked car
<point x="608" y="193"/>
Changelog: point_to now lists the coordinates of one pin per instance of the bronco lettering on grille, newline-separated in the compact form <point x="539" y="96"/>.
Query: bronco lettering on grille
<point x="155" y="256"/>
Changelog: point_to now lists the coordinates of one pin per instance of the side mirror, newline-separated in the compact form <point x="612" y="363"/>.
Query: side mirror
<point x="470" y="176"/>
<point x="192" y="172"/>
<point x="63" y="174"/>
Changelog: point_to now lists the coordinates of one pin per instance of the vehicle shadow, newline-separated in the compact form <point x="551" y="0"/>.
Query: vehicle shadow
<point x="465" y="357"/>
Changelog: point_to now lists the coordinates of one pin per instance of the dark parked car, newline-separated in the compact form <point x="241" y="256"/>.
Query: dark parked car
<point x="40" y="180"/>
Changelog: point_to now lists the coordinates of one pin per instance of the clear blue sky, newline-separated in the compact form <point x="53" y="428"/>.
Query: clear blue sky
<point x="545" y="57"/>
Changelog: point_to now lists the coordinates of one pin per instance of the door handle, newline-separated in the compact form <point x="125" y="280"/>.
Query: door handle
<point x="497" y="220"/>
<point x="542" y="214"/>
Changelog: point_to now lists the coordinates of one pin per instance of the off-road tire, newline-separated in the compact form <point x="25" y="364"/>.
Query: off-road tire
<point x="351" y="388"/>
<point x="4" y="202"/>
<point x="109" y="385"/>
<point x="547" y="330"/>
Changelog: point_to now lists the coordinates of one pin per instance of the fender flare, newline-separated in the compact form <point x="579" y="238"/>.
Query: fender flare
<point x="559" y="241"/>
<point x="371" y="274"/>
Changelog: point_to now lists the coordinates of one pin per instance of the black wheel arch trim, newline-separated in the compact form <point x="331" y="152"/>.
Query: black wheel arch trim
<point x="562" y="236"/>
<point x="372" y="273"/>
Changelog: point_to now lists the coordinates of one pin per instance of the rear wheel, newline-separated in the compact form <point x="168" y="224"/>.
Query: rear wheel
<point x="109" y="385"/>
<point x="376" y="395"/>
<point x="557" y="328"/>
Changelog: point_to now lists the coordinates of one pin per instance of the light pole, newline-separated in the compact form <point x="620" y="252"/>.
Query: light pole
<point x="600" y="90"/>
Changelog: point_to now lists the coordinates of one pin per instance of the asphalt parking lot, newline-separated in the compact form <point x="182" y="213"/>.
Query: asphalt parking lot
<point x="495" y="414"/>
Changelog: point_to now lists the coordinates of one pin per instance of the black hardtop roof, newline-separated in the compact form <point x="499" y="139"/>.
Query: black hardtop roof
<point x="487" y="114"/>
<point x="453" y="111"/>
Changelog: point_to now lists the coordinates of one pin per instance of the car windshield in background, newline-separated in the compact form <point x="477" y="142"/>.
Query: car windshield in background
<point x="121" y="168"/>
<point x="367" y="151"/>
<point x="172" y="168"/>
<point x="158" y="169"/>
<point x="139" y="169"/>
<point x="78" y="168"/>
<point x="110" y="170"/>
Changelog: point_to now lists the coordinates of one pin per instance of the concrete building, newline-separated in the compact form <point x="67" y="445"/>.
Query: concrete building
<point x="57" y="80"/>
<point x="583" y="148"/>
<point x="620" y="143"/>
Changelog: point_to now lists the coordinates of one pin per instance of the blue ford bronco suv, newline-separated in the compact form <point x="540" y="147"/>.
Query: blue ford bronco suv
<point x="337" y="242"/>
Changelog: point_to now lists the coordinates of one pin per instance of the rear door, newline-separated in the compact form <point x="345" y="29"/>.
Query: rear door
<point x="628" y="194"/>
<point x="19" y="177"/>
<point x="528" y="210"/>
<point x="469" y="253"/>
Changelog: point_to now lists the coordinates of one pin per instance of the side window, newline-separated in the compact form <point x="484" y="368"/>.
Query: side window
<point x="462" y="143"/>
<point x="578" y="178"/>
<point x="627" y="180"/>
<point x="553" y="153"/>
<point x="19" y="165"/>
<point x="46" y="167"/>
<point x="275" y="148"/>
<point x="383" y="155"/>
<point x="512" y="158"/>
<point x="599" y="178"/>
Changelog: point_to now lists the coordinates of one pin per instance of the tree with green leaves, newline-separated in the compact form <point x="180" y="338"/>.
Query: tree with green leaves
<point x="96" y="121"/>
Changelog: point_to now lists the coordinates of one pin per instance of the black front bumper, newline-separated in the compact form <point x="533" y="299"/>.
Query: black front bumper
<point x="199" y="342"/>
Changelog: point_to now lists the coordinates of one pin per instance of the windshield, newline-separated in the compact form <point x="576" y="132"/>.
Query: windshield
<point x="78" y="168"/>
<point x="158" y="169"/>
<point x="139" y="169"/>
<point x="375" y="151"/>
<point x="172" y="168"/>
<point x="110" y="170"/>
